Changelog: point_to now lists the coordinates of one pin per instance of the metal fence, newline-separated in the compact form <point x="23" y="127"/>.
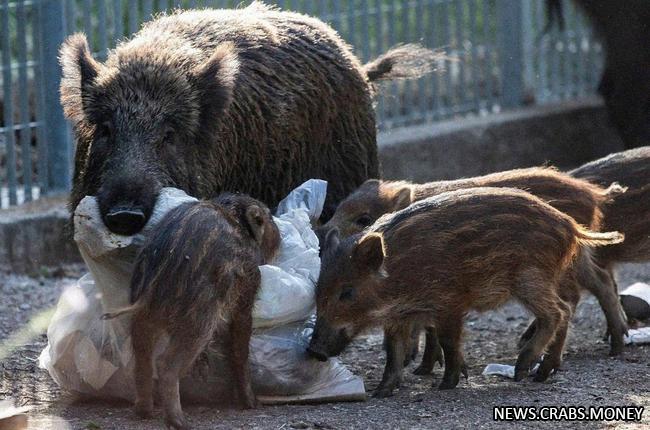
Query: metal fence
<point x="498" y="56"/>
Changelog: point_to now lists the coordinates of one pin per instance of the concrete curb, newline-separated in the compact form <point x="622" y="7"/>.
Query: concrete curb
<point x="35" y="236"/>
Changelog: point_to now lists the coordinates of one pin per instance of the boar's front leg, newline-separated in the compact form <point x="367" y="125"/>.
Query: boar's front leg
<point x="396" y="342"/>
<point x="432" y="353"/>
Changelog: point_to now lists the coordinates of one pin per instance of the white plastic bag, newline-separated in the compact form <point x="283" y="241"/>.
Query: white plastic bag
<point x="88" y="355"/>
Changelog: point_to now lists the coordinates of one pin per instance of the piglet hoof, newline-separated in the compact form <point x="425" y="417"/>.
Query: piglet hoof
<point x="423" y="369"/>
<point x="449" y="381"/>
<point x="616" y="348"/>
<point x="382" y="392"/>
<point x="545" y="369"/>
<point x="520" y="373"/>
<point x="464" y="371"/>
<point x="447" y="384"/>
<point x="176" y="422"/>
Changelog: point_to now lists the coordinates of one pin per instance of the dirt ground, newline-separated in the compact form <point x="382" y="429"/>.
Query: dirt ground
<point x="589" y="377"/>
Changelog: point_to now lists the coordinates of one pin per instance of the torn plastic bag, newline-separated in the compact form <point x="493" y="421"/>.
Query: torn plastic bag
<point x="91" y="356"/>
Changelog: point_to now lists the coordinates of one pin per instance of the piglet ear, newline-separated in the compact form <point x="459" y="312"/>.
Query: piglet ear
<point x="256" y="223"/>
<point x="402" y="198"/>
<point x="215" y="80"/>
<point x="79" y="72"/>
<point x="332" y="239"/>
<point x="369" y="252"/>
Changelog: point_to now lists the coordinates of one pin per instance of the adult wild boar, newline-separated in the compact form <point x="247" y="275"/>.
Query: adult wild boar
<point x="624" y="29"/>
<point x="253" y="100"/>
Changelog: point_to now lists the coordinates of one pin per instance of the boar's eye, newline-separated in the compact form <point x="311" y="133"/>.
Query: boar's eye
<point x="347" y="293"/>
<point x="105" y="129"/>
<point x="364" y="220"/>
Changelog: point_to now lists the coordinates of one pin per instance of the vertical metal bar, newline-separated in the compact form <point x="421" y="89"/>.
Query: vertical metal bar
<point x="147" y="9"/>
<point x="460" y="48"/>
<point x="379" y="36"/>
<point x="39" y="90"/>
<point x="392" y="95"/>
<point x="474" y="56"/>
<point x="488" y="17"/>
<point x="70" y="15"/>
<point x="421" y="94"/>
<point x="365" y="31"/>
<point x="406" y="101"/>
<point x="542" y="55"/>
<point x="88" y="21"/>
<point x="351" y="30"/>
<point x="133" y="15"/>
<point x="118" y="24"/>
<point x="8" y="105"/>
<point x="446" y="42"/>
<point x="23" y="89"/>
<point x="58" y="139"/>
<point x="101" y="26"/>
<point x="511" y="53"/>
<point x="435" y="79"/>
<point x="527" y="43"/>
<point x="581" y="45"/>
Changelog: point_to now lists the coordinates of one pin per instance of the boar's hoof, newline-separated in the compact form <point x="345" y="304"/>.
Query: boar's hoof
<point x="383" y="392"/>
<point x="176" y="422"/>
<point x="125" y="221"/>
<point x="144" y="409"/>
<point x="248" y="402"/>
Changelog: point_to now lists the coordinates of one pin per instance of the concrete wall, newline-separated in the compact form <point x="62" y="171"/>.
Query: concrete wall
<point x="566" y="135"/>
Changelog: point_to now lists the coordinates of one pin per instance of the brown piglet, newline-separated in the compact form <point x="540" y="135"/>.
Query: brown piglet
<point x="431" y="263"/>
<point x="196" y="278"/>
<point x="580" y="199"/>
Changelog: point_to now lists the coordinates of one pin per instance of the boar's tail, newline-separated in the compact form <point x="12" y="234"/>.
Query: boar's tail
<point x="402" y="62"/>
<point x="592" y="239"/>
<point x="613" y="191"/>
<point x="125" y="310"/>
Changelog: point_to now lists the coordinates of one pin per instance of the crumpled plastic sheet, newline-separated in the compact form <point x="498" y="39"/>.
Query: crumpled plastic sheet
<point x="91" y="356"/>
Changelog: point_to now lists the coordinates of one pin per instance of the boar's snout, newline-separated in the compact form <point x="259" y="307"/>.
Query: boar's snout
<point x="126" y="204"/>
<point x="126" y="221"/>
<point x="318" y="355"/>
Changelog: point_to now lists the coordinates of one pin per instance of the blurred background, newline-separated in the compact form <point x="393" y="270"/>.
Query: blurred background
<point x="501" y="55"/>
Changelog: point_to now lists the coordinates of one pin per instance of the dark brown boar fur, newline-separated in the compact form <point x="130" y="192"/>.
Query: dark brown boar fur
<point x="629" y="212"/>
<point x="580" y="199"/>
<point x="441" y="257"/>
<point x="252" y="100"/>
<point x="196" y="277"/>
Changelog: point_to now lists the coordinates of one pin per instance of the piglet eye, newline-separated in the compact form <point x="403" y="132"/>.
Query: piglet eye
<point x="364" y="220"/>
<point x="347" y="293"/>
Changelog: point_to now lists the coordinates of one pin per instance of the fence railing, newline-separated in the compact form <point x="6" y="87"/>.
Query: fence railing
<point x="498" y="56"/>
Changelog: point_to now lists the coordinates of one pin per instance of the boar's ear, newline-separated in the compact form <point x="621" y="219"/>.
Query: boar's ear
<point x="215" y="80"/>
<point x="79" y="71"/>
<point x="402" y="198"/>
<point x="256" y="222"/>
<point x="369" y="252"/>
